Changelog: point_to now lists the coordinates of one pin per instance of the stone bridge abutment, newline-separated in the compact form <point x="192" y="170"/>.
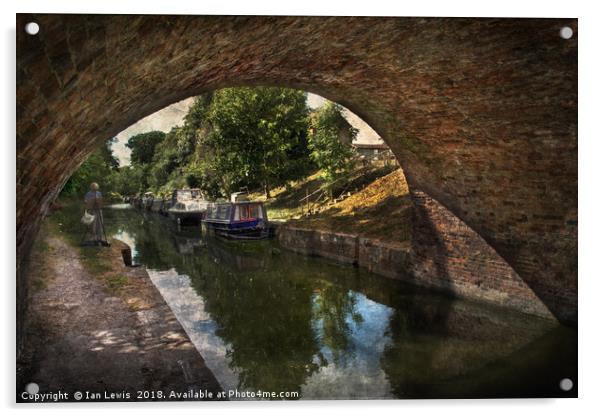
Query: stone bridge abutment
<point x="481" y="114"/>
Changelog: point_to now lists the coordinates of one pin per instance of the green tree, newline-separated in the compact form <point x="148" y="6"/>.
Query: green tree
<point x="99" y="167"/>
<point x="131" y="180"/>
<point x="231" y="138"/>
<point x="106" y="152"/>
<point x="258" y="136"/>
<point x="176" y="159"/>
<point x="143" y="146"/>
<point x="167" y="159"/>
<point x="197" y="114"/>
<point x="327" y="150"/>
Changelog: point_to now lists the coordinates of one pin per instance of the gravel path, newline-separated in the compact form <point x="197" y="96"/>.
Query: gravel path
<point x="84" y="337"/>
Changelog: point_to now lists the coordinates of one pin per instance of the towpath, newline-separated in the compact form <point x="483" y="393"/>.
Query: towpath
<point x="100" y="326"/>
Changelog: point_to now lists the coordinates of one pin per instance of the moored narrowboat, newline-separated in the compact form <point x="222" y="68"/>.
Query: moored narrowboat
<point x="237" y="220"/>
<point x="187" y="206"/>
<point x="157" y="204"/>
<point x="188" y="212"/>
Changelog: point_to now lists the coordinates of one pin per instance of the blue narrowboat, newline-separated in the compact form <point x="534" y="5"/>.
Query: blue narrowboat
<point x="237" y="220"/>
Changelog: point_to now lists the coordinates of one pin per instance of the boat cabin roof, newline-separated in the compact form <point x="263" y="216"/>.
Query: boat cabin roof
<point x="236" y="203"/>
<point x="187" y="193"/>
<point x="239" y="196"/>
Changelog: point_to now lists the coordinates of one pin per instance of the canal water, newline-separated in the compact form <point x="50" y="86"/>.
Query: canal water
<point x="266" y="319"/>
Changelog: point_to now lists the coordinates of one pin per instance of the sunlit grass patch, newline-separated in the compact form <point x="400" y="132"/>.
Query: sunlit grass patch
<point x="379" y="210"/>
<point x="283" y="213"/>
<point x="117" y="282"/>
<point x="40" y="253"/>
<point x="94" y="261"/>
<point x="39" y="282"/>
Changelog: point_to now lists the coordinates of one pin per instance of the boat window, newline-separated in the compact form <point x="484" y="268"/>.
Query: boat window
<point x="255" y="211"/>
<point x="244" y="212"/>
<point x="212" y="212"/>
<point x="223" y="212"/>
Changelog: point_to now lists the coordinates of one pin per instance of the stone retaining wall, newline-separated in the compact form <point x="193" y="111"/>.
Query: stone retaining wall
<point x="387" y="259"/>
<point x="454" y="259"/>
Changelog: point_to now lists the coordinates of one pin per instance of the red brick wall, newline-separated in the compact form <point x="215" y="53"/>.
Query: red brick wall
<point x="449" y="255"/>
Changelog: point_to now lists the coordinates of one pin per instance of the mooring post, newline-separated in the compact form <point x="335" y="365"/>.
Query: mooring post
<point x="127" y="256"/>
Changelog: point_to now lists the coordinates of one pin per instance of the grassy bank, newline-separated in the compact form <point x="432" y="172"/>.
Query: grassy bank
<point x="379" y="206"/>
<point x="287" y="202"/>
<point x="104" y="263"/>
<point x="381" y="210"/>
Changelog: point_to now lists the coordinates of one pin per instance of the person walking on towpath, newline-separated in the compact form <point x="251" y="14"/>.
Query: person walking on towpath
<point x="93" y="217"/>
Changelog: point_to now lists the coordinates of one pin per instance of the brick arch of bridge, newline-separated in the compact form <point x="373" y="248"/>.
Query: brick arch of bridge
<point x="481" y="114"/>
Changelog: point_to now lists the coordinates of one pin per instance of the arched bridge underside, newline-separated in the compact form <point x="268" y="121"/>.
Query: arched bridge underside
<point x="481" y="114"/>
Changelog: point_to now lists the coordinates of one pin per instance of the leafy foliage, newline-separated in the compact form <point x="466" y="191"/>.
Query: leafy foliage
<point x="143" y="146"/>
<point x="328" y="151"/>
<point x="255" y="138"/>
<point x="131" y="180"/>
<point x="259" y="136"/>
<point x="177" y="160"/>
<point x="99" y="167"/>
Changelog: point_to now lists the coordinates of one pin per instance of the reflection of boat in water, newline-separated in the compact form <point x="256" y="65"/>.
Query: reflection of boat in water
<point x="187" y="206"/>
<point x="186" y="245"/>
<point x="243" y="220"/>
<point x="147" y="201"/>
<point x="235" y="256"/>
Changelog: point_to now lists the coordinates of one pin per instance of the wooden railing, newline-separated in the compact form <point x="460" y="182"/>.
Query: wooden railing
<point x="316" y="198"/>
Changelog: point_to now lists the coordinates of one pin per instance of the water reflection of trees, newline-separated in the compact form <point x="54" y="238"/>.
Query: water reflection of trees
<point x="334" y="312"/>
<point x="285" y="316"/>
<point x="158" y="244"/>
<point x="266" y="319"/>
<point x="452" y="348"/>
<point x="264" y="312"/>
